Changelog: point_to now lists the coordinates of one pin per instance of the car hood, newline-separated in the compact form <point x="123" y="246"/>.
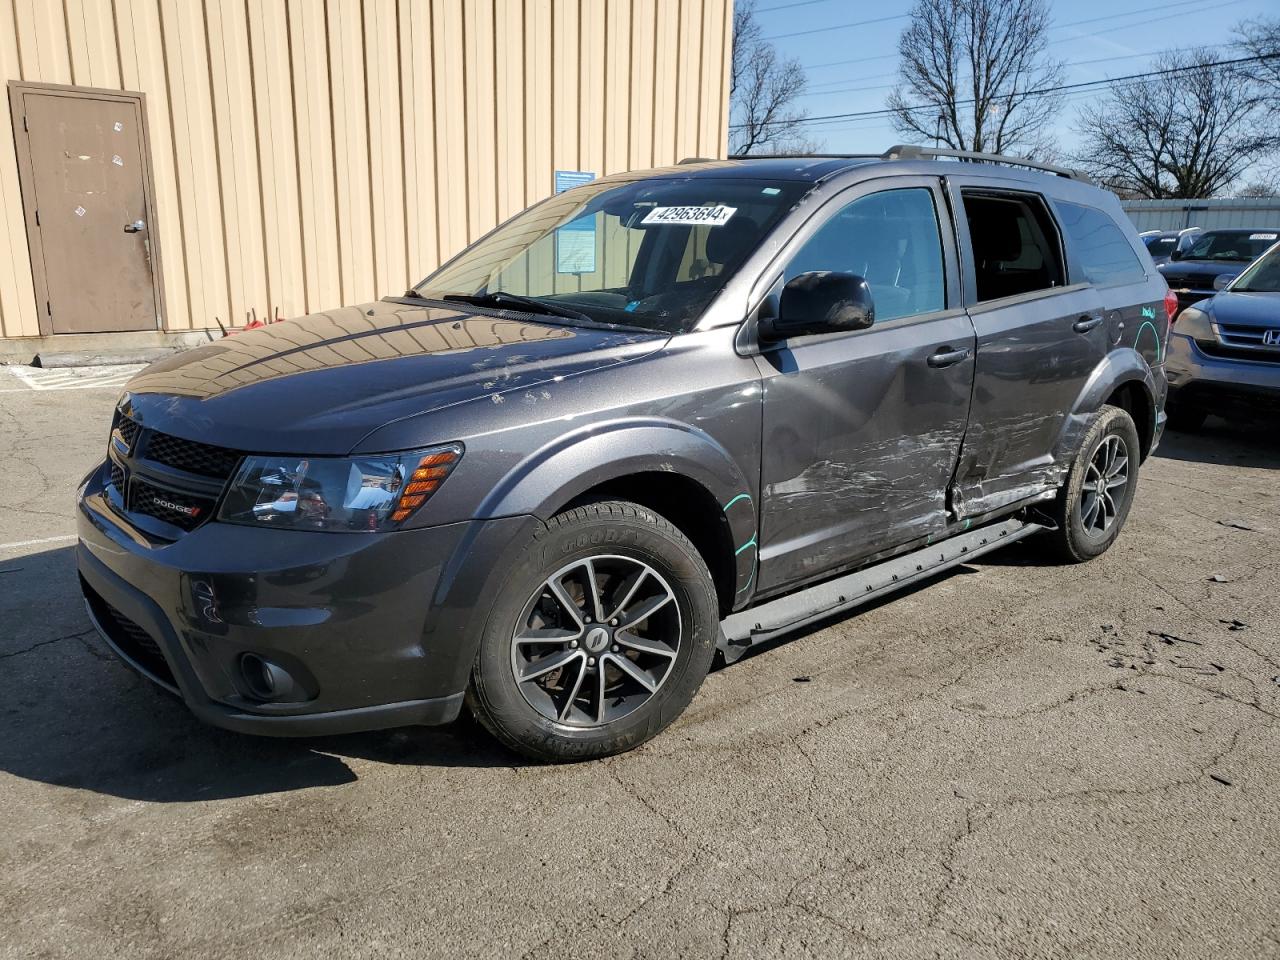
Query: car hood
<point x="1243" y="309"/>
<point x="320" y="383"/>
<point x="1202" y="272"/>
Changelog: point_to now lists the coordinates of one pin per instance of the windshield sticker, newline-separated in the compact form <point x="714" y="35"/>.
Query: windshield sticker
<point x="716" y="216"/>
<point x="1262" y="236"/>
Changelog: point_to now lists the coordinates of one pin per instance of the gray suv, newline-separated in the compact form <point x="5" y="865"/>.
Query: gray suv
<point x="655" y="417"/>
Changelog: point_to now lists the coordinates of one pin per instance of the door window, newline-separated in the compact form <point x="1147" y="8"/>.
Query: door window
<point x="893" y="241"/>
<point x="1015" y="245"/>
<point x="1100" y="248"/>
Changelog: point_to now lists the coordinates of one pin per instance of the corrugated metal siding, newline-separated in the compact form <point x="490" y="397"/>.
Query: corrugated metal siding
<point x="1209" y="214"/>
<point x="311" y="153"/>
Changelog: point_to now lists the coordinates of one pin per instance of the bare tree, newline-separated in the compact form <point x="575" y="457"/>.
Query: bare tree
<point x="1188" y="133"/>
<point x="1261" y="38"/>
<point x="763" y="89"/>
<point x="971" y="74"/>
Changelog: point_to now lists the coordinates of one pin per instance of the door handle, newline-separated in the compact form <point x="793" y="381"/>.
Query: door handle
<point x="945" y="357"/>
<point x="1085" y="324"/>
<point x="136" y="227"/>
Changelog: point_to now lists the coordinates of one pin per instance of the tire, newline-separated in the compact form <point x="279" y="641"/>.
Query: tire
<point x="1185" y="419"/>
<point x="1087" y="527"/>
<point x="651" y="582"/>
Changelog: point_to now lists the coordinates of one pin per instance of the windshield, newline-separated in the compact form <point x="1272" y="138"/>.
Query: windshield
<point x="1263" y="276"/>
<point x="644" y="252"/>
<point x="1231" y="246"/>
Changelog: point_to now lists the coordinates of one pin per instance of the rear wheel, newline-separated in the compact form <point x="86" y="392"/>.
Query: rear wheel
<point x="603" y="634"/>
<point x="1094" y="502"/>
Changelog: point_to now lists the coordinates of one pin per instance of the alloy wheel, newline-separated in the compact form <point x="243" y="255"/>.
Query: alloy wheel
<point x="596" y="641"/>
<point x="1103" y="488"/>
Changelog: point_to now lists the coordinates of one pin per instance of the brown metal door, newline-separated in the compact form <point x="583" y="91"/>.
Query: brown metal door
<point x="89" y="192"/>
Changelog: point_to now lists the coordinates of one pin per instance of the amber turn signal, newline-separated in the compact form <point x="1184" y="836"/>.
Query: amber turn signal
<point x="425" y="479"/>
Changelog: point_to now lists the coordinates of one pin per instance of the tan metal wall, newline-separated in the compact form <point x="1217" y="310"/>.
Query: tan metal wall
<point x="311" y="153"/>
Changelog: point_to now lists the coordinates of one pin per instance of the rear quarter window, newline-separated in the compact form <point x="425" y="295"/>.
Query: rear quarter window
<point x="1101" y="250"/>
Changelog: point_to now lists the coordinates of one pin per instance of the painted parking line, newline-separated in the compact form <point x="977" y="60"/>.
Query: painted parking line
<point x="67" y="378"/>
<point x="18" y="544"/>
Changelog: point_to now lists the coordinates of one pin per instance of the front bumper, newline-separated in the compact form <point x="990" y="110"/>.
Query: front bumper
<point x="1219" y="384"/>
<point x="373" y="630"/>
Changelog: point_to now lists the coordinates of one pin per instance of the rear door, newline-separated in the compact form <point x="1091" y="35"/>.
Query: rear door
<point x="1038" y="341"/>
<point x="862" y="429"/>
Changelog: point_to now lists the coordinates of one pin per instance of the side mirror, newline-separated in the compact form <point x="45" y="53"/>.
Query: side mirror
<point x="822" y="301"/>
<point x="1176" y="253"/>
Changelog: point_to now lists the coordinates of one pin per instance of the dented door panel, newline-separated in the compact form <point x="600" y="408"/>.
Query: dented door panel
<point x="1031" y="366"/>
<point x="861" y="437"/>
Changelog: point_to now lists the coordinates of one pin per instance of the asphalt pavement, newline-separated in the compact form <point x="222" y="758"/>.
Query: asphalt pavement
<point x="1015" y="760"/>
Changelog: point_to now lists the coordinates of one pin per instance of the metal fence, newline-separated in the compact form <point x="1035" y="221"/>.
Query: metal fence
<point x="1209" y="214"/>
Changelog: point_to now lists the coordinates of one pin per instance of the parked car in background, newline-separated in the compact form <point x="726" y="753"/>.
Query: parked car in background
<point x="1161" y="244"/>
<point x="1224" y="352"/>
<point x="1214" y="259"/>
<point x="661" y="414"/>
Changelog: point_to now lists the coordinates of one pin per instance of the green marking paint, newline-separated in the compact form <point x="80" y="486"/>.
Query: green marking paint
<point x="1149" y="313"/>
<point x="1154" y="332"/>
<point x="749" y="543"/>
<point x="741" y="496"/>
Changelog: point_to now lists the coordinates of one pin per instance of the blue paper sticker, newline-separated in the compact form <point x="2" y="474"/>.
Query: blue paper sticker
<point x="568" y="179"/>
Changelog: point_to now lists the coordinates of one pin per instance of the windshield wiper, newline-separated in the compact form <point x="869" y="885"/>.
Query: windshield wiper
<point x="527" y="304"/>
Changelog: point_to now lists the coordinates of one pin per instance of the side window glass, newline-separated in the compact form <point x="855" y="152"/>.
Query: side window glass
<point x="1015" y="245"/>
<point x="893" y="241"/>
<point x="1099" y="245"/>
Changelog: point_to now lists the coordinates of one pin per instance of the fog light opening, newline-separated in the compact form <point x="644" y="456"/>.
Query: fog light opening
<point x="266" y="680"/>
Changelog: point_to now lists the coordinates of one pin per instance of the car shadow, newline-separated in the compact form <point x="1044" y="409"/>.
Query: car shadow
<point x="74" y="716"/>
<point x="1226" y="442"/>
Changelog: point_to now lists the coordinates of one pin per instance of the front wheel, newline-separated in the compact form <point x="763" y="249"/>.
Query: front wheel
<point x="603" y="634"/>
<point x="1094" y="502"/>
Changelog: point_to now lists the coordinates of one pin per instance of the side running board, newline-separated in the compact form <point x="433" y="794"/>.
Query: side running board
<point x="742" y="630"/>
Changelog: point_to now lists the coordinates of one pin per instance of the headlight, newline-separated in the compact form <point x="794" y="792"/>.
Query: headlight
<point x="376" y="492"/>
<point x="1194" y="323"/>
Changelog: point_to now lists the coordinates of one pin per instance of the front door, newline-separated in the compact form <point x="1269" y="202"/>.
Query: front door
<point x="1039" y="340"/>
<point x="85" y="191"/>
<point x="862" y="429"/>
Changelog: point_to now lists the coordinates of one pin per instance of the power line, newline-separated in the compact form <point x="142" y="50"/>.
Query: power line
<point x="787" y="6"/>
<point x="1044" y="91"/>
<point x="811" y="92"/>
<point x="838" y="26"/>
<point x="1058" y="26"/>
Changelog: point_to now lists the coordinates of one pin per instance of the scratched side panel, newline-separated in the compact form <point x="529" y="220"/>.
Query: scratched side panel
<point x="861" y="437"/>
<point x="691" y="408"/>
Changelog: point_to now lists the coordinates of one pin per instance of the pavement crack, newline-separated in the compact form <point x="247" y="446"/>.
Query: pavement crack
<point x="45" y="643"/>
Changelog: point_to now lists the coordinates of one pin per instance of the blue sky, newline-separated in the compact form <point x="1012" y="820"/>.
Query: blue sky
<point x="852" y="68"/>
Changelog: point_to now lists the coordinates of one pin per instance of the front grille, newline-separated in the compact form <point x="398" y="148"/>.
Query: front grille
<point x="117" y="477"/>
<point x="193" y="457"/>
<point x="128" y="430"/>
<point x="1238" y="335"/>
<point x="1227" y="352"/>
<point x="1191" y="282"/>
<point x="184" y="510"/>
<point x="133" y="640"/>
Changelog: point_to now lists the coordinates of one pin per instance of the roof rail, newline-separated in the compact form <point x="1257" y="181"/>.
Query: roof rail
<point x="805" y="156"/>
<point x="909" y="151"/>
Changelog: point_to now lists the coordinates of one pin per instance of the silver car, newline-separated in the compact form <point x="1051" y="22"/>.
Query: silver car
<point x="1224" y="352"/>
